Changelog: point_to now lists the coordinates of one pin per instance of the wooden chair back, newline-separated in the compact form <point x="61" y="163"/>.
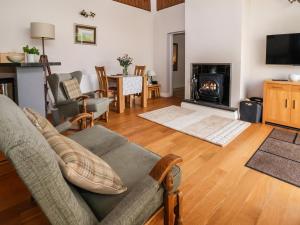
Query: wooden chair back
<point x="102" y="79"/>
<point x="139" y="70"/>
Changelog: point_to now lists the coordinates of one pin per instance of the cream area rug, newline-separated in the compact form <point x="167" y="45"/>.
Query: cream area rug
<point x="212" y="128"/>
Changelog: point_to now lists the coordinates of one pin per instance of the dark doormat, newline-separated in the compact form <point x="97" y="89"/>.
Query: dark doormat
<point x="279" y="157"/>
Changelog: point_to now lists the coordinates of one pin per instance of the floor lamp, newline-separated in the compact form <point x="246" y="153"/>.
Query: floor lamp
<point x="43" y="31"/>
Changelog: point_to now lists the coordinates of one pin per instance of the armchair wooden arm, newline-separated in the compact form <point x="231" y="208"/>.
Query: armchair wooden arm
<point x="100" y="92"/>
<point x="161" y="172"/>
<point x="83" y="98"/>
<point x="83" y="117"/>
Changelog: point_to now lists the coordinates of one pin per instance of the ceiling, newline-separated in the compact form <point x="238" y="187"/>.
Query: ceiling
<point x="162" y="4"/>
<point x="142" y="4"/>
<point x="146" y="4"/>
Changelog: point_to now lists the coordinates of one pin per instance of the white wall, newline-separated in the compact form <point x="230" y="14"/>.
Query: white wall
<point x="231" y="31"/>
<point x="214" y="35"/>
<point x="166" y="21"/>
<point x="121" y="29"/>
<point x="268" y="17"/>
<point x="179" y="75"/>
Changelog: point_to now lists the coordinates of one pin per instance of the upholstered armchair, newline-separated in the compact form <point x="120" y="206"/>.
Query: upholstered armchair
<point x="85" y="103"/>
<point x="152" y="182"/>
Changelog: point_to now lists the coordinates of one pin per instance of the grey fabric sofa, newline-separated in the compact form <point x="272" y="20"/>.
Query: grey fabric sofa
<point x="65" y="204"/>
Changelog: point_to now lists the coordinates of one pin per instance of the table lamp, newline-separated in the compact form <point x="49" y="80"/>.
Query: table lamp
<point x="151" y="74"/>
<point x="44" y="31"/>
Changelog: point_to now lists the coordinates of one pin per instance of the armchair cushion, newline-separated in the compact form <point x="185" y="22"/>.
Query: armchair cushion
<point x="100" y="105"/>
<point x="132" y="163"/>
<point x="72" y="88"/>
<point x="56" y="86"/>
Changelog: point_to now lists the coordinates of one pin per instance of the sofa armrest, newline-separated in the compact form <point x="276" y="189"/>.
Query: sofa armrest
<point x="164" y="166"/>
<point x="161" y="172"/>
<point x="133" y="205"/>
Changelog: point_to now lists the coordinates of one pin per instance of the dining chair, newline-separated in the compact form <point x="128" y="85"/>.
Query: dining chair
<point x="109" y="91"/>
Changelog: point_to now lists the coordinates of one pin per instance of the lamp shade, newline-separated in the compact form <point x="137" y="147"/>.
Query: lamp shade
<point x="151" y="73"/>
<point x="42" y="30"/>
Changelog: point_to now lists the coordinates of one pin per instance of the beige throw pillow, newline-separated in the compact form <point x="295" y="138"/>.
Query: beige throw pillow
<point x="72" y="88"/>
<point x="78" y="165"/>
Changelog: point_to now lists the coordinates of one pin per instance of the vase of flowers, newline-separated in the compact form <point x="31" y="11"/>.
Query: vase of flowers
<point x="125" y="61"/>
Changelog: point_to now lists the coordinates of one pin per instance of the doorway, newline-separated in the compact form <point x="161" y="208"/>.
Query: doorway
<point x="177" y="67"/>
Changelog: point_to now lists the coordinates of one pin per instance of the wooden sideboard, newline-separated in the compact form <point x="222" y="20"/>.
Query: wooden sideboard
<point x="282" y="103"/>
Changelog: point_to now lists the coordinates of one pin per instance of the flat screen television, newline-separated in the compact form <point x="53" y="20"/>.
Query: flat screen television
<point x="283" y="49"/>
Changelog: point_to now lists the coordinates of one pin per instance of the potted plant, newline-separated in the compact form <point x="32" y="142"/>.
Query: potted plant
<point x="125" y="62"/>
<point x="30" y="53"/>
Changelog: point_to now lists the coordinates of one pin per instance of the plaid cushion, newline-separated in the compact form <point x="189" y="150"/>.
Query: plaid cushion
<point x="78" y="165"/>
<point x="72" y="88"/>
<point x="41" y="123"/>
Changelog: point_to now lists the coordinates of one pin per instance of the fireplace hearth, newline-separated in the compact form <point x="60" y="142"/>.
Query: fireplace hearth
<point x="211" y="83"/>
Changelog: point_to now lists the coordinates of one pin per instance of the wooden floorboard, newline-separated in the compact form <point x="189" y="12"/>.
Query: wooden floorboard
<point x="218" y="189"/>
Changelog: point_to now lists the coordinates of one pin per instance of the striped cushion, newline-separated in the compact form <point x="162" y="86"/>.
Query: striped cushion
<point x="78" y="165"/>
<point x="72" y="88"/>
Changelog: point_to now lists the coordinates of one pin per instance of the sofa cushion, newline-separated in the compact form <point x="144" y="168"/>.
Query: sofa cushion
<point x="132" y="163"/>
<point x="85" y="169"/>
<point x="79" y="166"/>
<point x="141" y="202"/>
<point x="72" y="88"/>
<point x="99" y="139"/>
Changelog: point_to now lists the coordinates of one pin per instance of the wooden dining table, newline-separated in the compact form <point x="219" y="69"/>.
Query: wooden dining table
<point x="129" y="85"/>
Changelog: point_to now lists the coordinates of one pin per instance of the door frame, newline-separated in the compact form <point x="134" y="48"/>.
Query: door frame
<point x="170" y="61"/>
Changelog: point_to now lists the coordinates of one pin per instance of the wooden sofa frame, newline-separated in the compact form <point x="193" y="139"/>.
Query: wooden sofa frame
<point x="161" y="172"/>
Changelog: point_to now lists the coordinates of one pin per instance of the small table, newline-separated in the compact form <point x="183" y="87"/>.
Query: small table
<point x="129" y="85"/>
<point x="154" y="89"/>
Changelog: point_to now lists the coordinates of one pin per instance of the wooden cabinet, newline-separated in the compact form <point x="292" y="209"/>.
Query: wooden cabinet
<point x="295" y="106"/>
<point x="282" y="103"/>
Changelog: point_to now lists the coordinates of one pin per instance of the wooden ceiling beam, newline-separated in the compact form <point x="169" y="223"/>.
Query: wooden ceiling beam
<point x="163" y="4"/>
<point x="141" y="4"/>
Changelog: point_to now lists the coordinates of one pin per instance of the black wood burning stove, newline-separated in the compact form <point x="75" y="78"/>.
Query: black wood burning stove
<point x="211" y="83"/>
<point x="210" y="87"/>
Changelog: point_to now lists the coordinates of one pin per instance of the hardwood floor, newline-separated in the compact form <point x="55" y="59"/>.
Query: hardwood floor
<point x="218" y="189"/>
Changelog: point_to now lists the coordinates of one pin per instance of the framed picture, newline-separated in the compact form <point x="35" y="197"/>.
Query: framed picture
<point x="175" y="57"/>
<point x="85" y="34"/>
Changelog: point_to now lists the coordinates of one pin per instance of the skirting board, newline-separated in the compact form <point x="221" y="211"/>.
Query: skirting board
<point x="211" y="111"/>
<point x="165" y="95"/>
